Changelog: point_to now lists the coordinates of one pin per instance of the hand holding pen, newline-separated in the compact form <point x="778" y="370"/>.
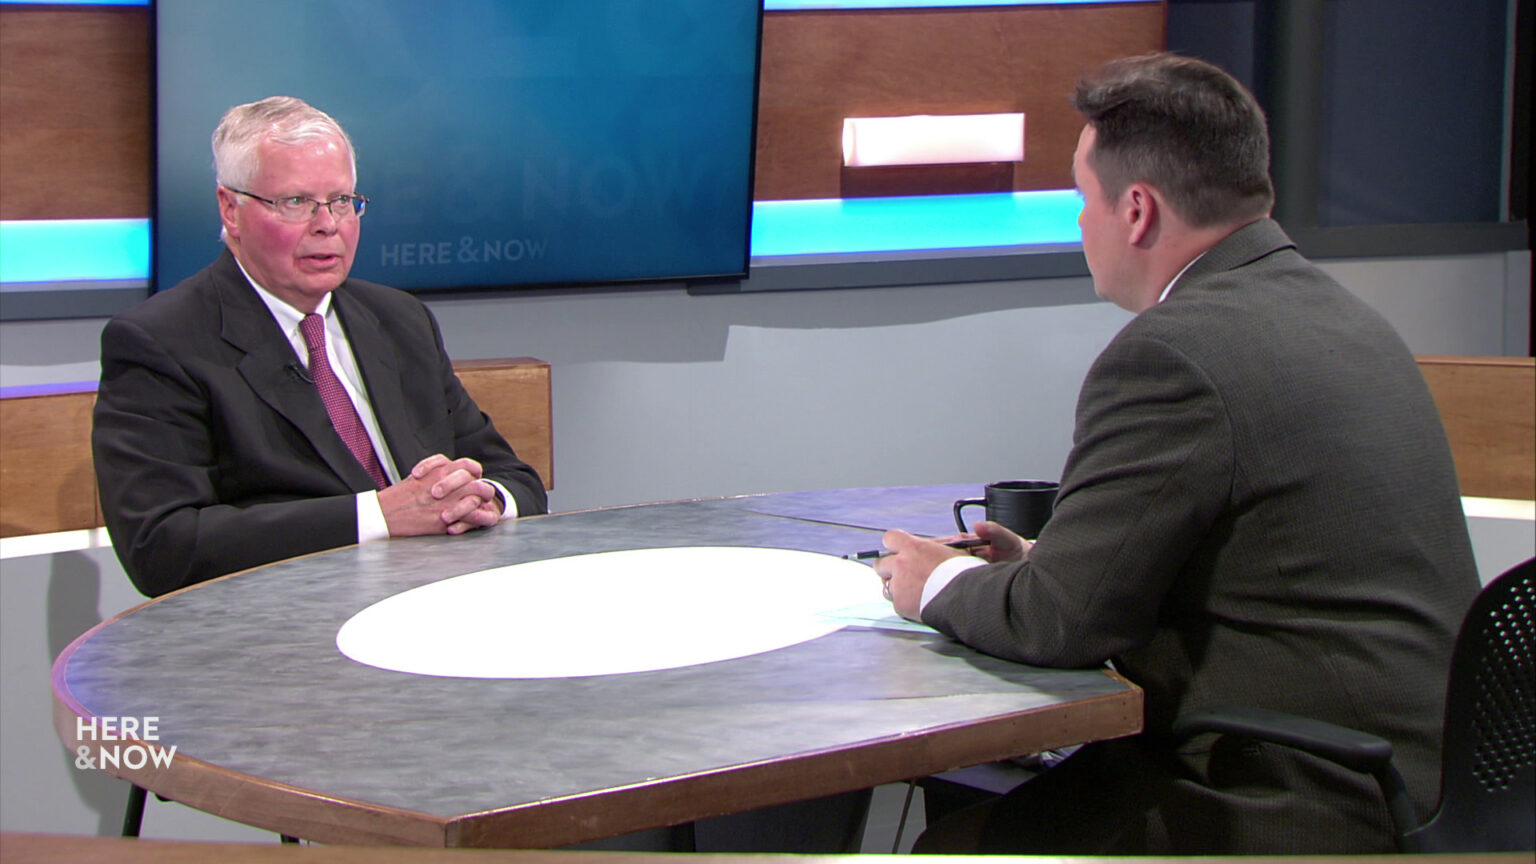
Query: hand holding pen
<point x="905" y="569"/>
<point x="961" y="543"/>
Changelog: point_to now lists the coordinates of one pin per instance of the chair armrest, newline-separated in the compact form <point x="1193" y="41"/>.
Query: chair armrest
<point x="1351" y="748"/>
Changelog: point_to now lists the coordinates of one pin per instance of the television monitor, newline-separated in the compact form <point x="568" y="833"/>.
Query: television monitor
<point x="502" y="143"/>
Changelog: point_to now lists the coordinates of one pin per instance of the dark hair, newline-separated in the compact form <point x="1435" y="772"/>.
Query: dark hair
<point x="1183" y="126"/>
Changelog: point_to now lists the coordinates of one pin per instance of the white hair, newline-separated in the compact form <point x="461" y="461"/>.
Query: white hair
<point x="280" y="119"/>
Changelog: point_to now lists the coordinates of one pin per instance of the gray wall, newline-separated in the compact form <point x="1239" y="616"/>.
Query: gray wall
<point x="659" y="395"/>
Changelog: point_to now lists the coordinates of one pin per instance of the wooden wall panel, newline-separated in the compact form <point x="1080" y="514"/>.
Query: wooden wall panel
<point x="74" y="113"/>
<point x="75" y="92"/>
<point x="819" y="67"/>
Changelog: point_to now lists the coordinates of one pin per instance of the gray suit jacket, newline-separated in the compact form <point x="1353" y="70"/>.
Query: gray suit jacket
<point x="212" y="452"/>
<point x="1259" y="509"/>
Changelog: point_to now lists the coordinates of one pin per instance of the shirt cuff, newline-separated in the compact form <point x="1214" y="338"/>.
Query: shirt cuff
<point x="508" y="503"/>
<point x="943" y="574"/>
<point x="370" y="518"/>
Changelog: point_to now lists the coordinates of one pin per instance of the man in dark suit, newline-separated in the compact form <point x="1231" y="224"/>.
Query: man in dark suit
<point x="1259" y="509"/>
<point x="269" y="406"/>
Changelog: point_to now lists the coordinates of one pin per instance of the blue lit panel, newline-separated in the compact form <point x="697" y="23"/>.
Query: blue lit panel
<point x="770" y="5"/>
<point x="925" y="222"/>
<point x="787" y="5"/>
<point x="80" y="250"/>
<point x="74" y="250"/>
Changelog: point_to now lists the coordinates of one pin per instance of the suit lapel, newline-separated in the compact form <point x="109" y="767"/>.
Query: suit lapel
<point x="378" y="362"/>
<point x="272" y="371"/>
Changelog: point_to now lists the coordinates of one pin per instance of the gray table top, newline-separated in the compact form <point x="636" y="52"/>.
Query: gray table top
<point x="274" y="727"/>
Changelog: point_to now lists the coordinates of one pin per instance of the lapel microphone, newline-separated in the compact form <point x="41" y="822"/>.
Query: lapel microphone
<point x="299" y="372"/>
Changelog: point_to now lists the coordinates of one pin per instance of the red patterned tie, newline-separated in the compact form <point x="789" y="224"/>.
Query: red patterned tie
<point x="337" y="404"/>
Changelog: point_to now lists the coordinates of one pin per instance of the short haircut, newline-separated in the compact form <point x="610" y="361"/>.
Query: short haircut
<point x="1183" y="126"/>
<point x="282" y="119"/>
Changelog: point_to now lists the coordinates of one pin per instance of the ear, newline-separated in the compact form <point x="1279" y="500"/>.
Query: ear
<point x="228" y="202"/>
<point x="1141" y="213"/>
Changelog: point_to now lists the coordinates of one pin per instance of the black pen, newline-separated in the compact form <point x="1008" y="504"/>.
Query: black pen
<point x="867" y="554"/>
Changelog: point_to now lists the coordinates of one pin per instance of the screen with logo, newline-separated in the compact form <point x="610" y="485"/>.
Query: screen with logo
<point x="502" y="143"/>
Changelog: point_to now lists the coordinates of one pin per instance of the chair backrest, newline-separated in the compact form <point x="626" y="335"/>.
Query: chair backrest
<point x="1488" y="770"/>
<point x="1488" y="405"/>
<point x="515" y="394"/>
<point x="48" y="484"/>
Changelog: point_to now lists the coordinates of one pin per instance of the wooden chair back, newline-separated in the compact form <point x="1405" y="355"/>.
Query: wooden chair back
<point x="1488" y="405"/>
<point x="48" y="484"/>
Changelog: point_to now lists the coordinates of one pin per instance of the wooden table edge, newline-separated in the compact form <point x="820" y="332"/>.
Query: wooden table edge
<point x="323" y="818"/>
<point x="674" y="800"/>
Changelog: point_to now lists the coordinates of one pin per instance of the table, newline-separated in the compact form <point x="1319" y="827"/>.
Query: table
<point x="275" y="728"/>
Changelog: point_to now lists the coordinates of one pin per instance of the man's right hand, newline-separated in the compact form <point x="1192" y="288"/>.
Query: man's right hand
<point x="1002" y="544"/>
<point x="439" y="493"/>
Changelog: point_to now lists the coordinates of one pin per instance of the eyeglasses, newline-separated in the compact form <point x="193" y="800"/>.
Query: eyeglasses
<point x="297" y="208"/>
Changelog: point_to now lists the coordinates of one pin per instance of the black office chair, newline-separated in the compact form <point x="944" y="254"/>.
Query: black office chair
<point x="1488" y="761"/>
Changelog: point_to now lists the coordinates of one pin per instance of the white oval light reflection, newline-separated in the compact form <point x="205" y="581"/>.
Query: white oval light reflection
<point x="609" y="613"/>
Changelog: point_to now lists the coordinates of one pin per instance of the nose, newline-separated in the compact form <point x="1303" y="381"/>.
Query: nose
<point x="324" y="220"/>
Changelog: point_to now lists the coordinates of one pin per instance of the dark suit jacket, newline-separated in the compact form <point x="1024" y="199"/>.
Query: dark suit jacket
<point x="1259" y="509"/>
<point x="213" y="454"/>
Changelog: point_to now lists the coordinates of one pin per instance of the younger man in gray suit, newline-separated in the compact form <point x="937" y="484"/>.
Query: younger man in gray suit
<point x="1259" y="509"/>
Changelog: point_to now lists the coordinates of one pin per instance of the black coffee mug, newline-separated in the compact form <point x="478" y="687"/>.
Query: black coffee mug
<point x="1021" y="506"/>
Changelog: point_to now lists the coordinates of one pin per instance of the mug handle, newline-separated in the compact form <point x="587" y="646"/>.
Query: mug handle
<point x="961" y="505"/>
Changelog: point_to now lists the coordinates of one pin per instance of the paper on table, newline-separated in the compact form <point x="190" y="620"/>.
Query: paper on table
<point x="611" y="612"/>
<point x="877" y="613"/>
